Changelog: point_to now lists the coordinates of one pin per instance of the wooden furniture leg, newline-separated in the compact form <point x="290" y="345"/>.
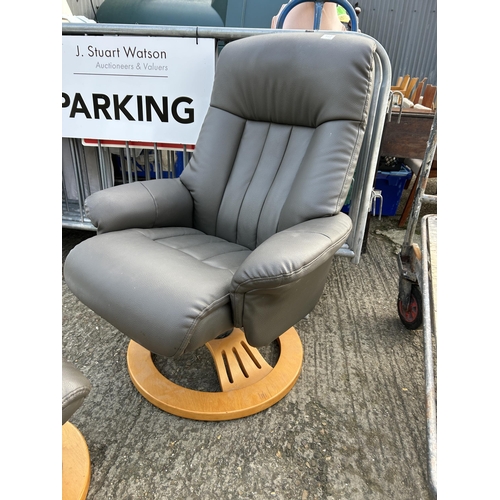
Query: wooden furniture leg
<point x="411" y="197"/>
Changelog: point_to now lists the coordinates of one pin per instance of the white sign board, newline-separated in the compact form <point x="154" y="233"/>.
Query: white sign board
<point x="154" y="89"/>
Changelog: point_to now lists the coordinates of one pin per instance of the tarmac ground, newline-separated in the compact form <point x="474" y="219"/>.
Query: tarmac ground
<point x="353" y="427"/>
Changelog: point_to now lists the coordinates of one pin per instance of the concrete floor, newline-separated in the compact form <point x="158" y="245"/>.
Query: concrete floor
<point x="353" y="427"/>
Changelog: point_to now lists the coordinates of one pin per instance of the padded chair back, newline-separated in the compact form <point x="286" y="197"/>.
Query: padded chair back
<point x="291" y="116"/>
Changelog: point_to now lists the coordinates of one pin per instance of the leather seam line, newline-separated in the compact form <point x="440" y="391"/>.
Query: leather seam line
<point x="253" y="176"/>
<point x="187" y="338"/>
<point x="233" y="162"/>
<point x="154" y="203"/>
<point x="83" y="391"/>
<point x="272" y="184"/>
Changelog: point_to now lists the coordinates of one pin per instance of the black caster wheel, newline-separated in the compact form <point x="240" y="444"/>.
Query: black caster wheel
<point x="411" y="317"/>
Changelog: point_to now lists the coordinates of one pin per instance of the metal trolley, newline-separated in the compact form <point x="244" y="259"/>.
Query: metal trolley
<point x="417" y="299"/>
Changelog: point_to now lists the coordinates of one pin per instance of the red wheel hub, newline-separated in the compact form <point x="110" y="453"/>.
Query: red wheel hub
<point x="411" y="312"/>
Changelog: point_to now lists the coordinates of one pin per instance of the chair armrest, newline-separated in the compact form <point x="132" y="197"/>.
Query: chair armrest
<point x="75" y="388"/>
<point x="154" y="203"/>
<point x="283" y="278"/>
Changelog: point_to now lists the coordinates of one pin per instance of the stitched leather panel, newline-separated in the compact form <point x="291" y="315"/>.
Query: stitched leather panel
<point x="289" y="154"/>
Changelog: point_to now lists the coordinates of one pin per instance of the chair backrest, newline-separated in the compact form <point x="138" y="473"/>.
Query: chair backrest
<point x="282" y="135"/>
<point x="415" y="98"/>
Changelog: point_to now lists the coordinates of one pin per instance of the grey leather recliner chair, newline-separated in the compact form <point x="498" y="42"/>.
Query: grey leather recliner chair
<point x="244" y="238"/>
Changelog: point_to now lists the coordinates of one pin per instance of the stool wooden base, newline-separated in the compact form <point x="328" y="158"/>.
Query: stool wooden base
<point x="249" y="384"/>
<point x="75" y="464"/>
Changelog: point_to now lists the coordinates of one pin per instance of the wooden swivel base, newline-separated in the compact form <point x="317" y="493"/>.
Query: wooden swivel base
<point x="249" y="384"/>
<point x="75" y="464"/>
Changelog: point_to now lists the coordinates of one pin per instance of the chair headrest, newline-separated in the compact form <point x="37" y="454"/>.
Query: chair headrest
<point x="335" y="69"/>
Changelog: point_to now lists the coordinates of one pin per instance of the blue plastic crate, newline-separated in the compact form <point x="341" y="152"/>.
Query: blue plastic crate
<point x="140" y="166"/>
<point x="391" y="184"/>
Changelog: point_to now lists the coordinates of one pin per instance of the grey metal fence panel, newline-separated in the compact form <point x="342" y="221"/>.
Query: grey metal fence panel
<point x="87" y="8"/>
<point x="407" y="29"/>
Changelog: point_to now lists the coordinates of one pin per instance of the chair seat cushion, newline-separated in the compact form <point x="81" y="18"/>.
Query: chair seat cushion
<point x="165" y="288"/>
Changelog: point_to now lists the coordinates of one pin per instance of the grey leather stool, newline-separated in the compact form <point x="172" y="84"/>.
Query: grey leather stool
<point x="75" y="453"/>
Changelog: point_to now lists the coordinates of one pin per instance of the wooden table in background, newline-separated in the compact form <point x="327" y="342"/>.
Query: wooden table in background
<point x="408" y="138"/>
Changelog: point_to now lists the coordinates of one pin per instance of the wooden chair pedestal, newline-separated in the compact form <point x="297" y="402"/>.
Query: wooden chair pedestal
<point x="248" y="383"/>
<point x="75" y="464"/>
